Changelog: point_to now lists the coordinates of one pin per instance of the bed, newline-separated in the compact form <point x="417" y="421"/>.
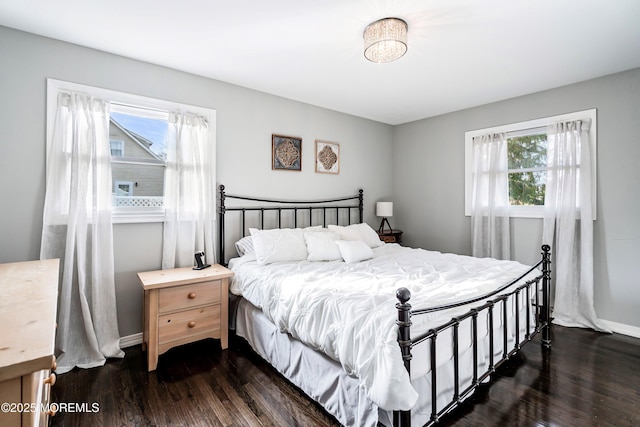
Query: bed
<point x="375" y="332"/>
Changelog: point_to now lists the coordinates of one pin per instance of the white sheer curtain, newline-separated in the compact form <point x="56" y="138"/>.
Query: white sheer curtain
<point x="568" y="215"/>
<point x="190" y="196"/>
<point x="490" y="197"/>
<point x="77" y="229"/>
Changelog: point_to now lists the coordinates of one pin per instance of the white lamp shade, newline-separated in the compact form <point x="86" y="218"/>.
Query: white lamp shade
<point x="384" y="209"/>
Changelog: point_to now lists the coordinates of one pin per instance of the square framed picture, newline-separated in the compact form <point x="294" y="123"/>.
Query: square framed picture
<point x="327" y="157"/>
<point x="286" y="153"/>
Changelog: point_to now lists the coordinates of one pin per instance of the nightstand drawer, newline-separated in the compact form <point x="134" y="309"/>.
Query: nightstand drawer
<point x="190" y="322"/>
<point x="187" y="296"/>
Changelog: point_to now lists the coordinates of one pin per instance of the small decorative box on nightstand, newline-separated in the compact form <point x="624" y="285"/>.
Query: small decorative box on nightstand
<point x="183" y="305"/>
<point x="393" y="236"/>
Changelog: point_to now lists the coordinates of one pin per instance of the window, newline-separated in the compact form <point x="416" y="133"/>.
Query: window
<point x="526" y="162"/>
<point x="138" y="129"/>
<point x="143" y="134"/>
<point x="117" y="147"/>
<point x="123" y="188"/>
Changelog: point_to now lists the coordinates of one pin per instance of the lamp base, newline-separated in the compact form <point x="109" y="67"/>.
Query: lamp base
<point x="382" y="223"/>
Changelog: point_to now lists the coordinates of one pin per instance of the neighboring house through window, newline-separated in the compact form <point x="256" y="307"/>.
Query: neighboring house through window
<point x="138" y="160"/>
<point x="138" y="132"/>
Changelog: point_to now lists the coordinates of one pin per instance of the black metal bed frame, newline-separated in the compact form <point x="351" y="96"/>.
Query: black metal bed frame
<point x="281" y="206"/>
<point x="543" y="324"/>
<point x="537" y="285"/>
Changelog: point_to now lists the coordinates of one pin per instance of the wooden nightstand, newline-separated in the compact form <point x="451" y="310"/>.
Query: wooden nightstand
<point x="183" y="305"/>
<point x="393" y="236"/>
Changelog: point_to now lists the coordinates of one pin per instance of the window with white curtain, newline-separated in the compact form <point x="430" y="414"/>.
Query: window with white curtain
<point x="138" y="135"/>
<point x="527" y="162"/>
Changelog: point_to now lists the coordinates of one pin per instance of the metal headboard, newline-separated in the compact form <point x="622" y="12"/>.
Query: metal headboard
<point x="280" y="206"/>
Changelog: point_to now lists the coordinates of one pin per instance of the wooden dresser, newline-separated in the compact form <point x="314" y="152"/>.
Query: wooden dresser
<point x="28" y="301"/>
<point x="183" y="305"/>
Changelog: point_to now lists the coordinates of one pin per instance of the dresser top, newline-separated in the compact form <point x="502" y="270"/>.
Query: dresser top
<point x="182" y="276"/>
<point x="28" y="301"/>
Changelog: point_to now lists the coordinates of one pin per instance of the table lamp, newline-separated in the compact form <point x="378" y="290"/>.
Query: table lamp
<point x="385" y="210"/>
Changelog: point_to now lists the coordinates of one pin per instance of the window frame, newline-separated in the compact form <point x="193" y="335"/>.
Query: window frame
<point x="160" y="106"/>
<point x="120" y="143"/>
<point x="522" y="128"/>
<point x="116" y="185"/>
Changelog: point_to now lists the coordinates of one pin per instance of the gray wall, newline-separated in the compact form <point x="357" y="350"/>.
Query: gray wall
<point x="429" y="183"/>
<point x="245" y="121"/>
<point x="425" y="179"/>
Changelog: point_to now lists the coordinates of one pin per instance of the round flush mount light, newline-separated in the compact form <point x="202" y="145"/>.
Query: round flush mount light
<point x="385" y="40"/>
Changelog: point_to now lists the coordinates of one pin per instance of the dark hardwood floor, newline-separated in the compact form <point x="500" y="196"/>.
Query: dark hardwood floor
<point x="588" y="379"/>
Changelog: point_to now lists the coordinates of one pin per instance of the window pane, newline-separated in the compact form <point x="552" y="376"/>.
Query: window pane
<point x="123" y="188"/>
<point x="144" y="137"/>
<point x="138" y="162"/>
<point x="527" y="151"/>
<point x="527" y="188"/>
<point x="116" y="148"/>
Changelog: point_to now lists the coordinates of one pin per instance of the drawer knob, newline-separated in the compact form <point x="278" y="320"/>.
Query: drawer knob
<point x="192" y="295"/>
<point x="51" y="379"/>
<point x="192" y="324"/>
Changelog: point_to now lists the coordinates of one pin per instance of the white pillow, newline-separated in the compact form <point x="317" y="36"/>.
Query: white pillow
<point x="354" y="250"/>
<point x="322" y="246"/>
<point x="360" y="231"/>
<point x="244" y="246"/>
<point x="280" y="244"/>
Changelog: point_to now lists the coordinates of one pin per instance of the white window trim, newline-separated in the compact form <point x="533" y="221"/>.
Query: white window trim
<point x="132" y="214"/>
<point x="116" y="184"/>
<point x="529" y="211"/>
<point x="121" y="141"/>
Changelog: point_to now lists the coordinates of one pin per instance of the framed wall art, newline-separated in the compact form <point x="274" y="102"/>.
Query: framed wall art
<point x="327" y="157"/>
<point x="286" y="153"/>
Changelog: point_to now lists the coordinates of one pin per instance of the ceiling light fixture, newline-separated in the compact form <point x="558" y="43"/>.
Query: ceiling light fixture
<point x="385" y="40"/>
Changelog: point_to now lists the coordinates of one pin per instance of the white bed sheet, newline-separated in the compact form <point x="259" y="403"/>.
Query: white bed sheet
<point x="319" y="377"/>
<point x="347" y="311"/>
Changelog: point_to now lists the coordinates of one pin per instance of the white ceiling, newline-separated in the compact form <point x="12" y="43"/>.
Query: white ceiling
<point x="462" y="53"/>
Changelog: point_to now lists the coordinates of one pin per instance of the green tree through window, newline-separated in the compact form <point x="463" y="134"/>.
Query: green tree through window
<point x="527" y="163"/>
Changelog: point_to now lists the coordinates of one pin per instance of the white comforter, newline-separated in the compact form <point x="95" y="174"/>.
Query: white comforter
<point x="348" y="311"/>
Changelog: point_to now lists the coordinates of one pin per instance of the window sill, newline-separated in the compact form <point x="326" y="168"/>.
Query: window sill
<point x="523" y="212"/>
<point x="526" y="212"/>
<point x="134" y="216"/>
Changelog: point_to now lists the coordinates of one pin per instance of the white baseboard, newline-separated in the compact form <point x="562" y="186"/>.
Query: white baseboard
<point x="131" y="340"/>
<point x="623" y="329"/>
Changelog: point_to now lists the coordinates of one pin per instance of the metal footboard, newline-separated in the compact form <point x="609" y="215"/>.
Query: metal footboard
<point x="539" y="286"/>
